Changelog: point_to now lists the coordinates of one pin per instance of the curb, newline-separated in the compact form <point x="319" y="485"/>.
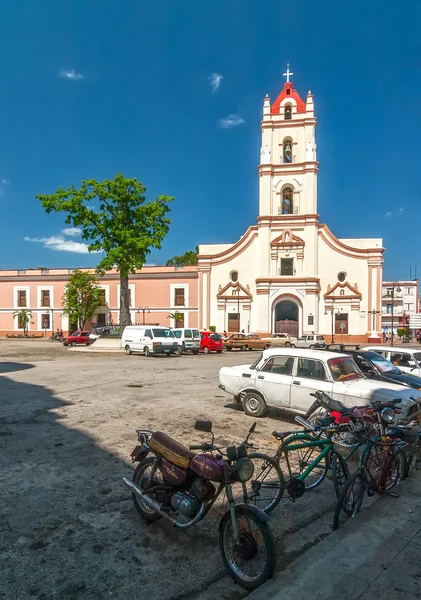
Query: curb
<point x="346" y="563"/>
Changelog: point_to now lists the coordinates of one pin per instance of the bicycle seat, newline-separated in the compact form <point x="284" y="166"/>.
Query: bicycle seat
<point x="280" y="435"/>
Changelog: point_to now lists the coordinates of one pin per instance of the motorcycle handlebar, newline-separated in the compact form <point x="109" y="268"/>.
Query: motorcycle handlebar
<point x="196" y="447"/>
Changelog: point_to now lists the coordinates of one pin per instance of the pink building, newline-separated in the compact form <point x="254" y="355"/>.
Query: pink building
<point x="155" y="293"/>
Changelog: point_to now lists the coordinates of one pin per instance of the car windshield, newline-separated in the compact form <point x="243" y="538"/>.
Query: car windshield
<point x="344" y="369"/>
<point x="257" y="361"/>
<point x="163" y="333"/>
<point x="215" y="336"/>
<point x="302" y="337"/>
<point x="196" y="334"/>
<point x="383" y="365"/>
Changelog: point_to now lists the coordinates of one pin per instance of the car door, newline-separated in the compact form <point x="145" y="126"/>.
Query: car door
<point x="274" y="379"/>
<point x="310" y="376"/>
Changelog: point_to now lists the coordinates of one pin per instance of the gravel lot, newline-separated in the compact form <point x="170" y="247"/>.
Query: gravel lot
<point x="68" y="529"/>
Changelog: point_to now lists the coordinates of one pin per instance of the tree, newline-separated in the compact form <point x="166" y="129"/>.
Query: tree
<point x="81" y="297"/>
<point x="189" y="258"/>
<point x="402" y="332"/>
<point x="115" y="220"/>
<point x="178" y="317"/>
<point x="24" y="317"/>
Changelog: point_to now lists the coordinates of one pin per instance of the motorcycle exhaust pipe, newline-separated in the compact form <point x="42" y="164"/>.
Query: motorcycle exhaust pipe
<point x="147" y="500"/>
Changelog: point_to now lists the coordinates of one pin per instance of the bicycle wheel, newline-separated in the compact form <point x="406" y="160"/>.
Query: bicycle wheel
<point x="374" y="462"/>
<point x="265" y="489"/>
<point x="340" y="472"/>
<point x="301" y="458"/>
<point x="350" y="499"/>
<point x="414" y="460"/>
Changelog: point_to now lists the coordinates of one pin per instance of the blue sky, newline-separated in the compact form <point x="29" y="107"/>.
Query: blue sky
<point x="102" y="86"/>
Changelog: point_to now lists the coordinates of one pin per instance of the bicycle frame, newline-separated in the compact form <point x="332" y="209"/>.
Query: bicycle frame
<point x="327" y="442"/>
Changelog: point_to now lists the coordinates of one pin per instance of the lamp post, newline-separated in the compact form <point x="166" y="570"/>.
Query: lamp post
<point x="52" y="319"/>
<point x="238" y="307"/>
<point x="395" y="284"/>
<point x="333" y="311"/>
<point x="143" y="309"/>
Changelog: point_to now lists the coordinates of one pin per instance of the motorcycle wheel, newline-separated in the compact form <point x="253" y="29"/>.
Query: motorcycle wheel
<point x="252" y="561"/>
<point x="265" y="489"/>
<point x="143" y="471"/>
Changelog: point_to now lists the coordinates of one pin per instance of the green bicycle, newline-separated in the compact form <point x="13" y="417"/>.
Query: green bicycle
<point x="308" y="454"/>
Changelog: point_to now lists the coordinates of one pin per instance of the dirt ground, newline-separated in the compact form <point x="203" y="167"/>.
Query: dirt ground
<point x="68" y="528"/>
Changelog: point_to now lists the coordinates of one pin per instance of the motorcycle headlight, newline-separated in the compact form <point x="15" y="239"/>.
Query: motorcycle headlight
<point x="244" y="469"/>
<point x="388" y="415"/>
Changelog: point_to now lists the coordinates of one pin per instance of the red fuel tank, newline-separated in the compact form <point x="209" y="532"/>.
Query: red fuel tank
<point x="208" y="467"/>
<point x="173" y="474"/>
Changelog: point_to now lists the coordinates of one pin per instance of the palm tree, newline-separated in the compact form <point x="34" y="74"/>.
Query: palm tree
<point x="177" y="316"/>
<point x="24" y="317"/>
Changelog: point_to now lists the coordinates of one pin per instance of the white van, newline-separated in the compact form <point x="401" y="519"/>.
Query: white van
<point x="187" y="339"/>
<point x="149" y="340"/>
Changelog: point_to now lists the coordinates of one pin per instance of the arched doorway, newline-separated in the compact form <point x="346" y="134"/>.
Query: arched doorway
<point x="286" y="316"/>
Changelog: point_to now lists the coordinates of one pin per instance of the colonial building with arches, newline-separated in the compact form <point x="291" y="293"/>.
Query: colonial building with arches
<point x="289" y="273"/>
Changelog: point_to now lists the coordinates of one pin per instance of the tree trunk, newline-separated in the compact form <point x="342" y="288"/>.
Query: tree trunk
<point x="124" y="303"/>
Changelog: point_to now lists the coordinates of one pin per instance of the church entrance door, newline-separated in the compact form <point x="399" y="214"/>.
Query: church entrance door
<point x="286" y="318"/>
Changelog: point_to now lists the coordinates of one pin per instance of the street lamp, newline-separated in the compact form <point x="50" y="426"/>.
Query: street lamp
<point x="395" y="284"/>
<point x="333" y="311"/>
<point x="143" y="309"/>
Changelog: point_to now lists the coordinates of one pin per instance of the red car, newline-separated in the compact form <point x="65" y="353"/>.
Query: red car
<point x="77" y="338"/>
<point x="211" y="342"/>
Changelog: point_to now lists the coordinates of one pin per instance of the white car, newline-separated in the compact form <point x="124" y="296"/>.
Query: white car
<point x="408" y="360"/>
<point x="281" y="340"/>
<point x="310" y="341"/>
<point x="285" y="377"/>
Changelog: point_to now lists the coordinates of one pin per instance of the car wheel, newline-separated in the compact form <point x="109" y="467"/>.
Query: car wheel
<point x="266" y="347"/>
<point x="219" y="351"/>
<point x="243" y="348"/>
<point x="287" y="344"/>
<point x="254" y="405"/>
<point x="292" y="345"/>
<point x="146" y="351"/>
<point x="206" y="350"/>
<point x="229" y="348"/>
<point x="73" y="343"/>
<point x="179" y="351"/>
<point x="128" y="349"/>
<point x="312" y="346"/>
<point x="195" y="352"/>
<point x="88" y="344"/>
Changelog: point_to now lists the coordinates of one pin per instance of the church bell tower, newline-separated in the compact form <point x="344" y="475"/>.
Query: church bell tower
<point x="288" y="165"/>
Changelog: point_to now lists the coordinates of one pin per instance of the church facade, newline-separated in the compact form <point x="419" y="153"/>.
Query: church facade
<point x="289" y="273"/>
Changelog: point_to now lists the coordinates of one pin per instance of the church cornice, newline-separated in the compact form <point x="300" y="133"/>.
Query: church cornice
<point x="283" y="169"/>
<point x="231" y="252"/>
<point x="354" y="293"/>
<point x="223" y="295"/>
<point x="332" y="241"/>
<point x="277" y="122"/>
<point x="288" y="220"/>
<point x="287" y="239"/>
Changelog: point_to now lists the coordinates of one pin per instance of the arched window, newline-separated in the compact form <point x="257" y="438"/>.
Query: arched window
<point x="286" y="208"/>
<point x="287" y="111"/>
<point x="234" y="276"/>
<point x="287" y="150"/>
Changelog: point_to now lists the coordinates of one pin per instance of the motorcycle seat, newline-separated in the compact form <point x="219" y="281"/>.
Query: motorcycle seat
<point x="170" y="449"/>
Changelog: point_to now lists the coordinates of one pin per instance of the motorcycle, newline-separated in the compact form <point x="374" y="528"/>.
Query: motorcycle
<point x="178" y="484"/>
<point x="57" y="337"/>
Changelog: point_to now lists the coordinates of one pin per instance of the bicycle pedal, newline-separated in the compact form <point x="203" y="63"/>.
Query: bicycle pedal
<point x="393" y="494"/>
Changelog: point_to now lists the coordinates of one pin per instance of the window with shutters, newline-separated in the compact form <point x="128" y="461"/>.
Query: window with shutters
<point x="179" y="297"/>
<point x="21" y="298"/>
<point x="45" y="297"/>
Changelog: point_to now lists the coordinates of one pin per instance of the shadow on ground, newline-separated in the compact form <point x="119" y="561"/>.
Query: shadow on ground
<point x="10" y="367"/>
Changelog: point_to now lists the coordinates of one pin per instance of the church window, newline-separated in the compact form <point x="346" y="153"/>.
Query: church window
<point x="342" y="293"/>
<point x="234" y="276"/>
<point x="287" y="266"/>
<point x="286" y="208"/>
<point x="341" y="276"/>
<point x="287" y="111"/>
<point x="287" y="151"/>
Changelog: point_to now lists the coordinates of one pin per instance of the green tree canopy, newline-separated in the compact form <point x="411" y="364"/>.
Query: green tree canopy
<point x="24" y="317"/>
<point x="189" y="258"/>
<point x="115" y="220"/>
<point x="81" y="297"/>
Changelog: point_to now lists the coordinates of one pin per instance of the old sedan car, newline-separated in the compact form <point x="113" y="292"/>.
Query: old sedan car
<point x="310" y="341"/>
<point x="285" y="377"/>
<point x="280" y="340"/>
<point x="77" y="338"/>
<point x="243" y="341"/>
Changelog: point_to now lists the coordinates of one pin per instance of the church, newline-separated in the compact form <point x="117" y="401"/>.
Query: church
<point x="288" y="272"/>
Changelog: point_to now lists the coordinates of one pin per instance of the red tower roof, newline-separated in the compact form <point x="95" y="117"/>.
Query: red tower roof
<point x="288" y="92"/>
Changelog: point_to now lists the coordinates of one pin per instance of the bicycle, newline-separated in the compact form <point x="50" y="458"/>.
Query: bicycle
<point x="383" y="464"/>
<point x="314" y="448"/>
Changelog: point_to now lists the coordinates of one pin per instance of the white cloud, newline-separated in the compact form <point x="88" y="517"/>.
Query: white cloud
<point x="71" y="231"/>
<point x="60" y="244"/>
<point x="71" y="74"/>
<point x="388" y="214"/>
<point x="215" y="80"/>
<point x="231" y="121"/>
<point x="6" y="182"/>
<point x="401" y="210"/>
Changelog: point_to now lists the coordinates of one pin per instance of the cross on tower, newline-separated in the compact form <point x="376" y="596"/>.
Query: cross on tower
<point x="288" y="73"/>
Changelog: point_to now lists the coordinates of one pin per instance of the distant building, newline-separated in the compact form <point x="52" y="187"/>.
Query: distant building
<point x="399" y="302"/>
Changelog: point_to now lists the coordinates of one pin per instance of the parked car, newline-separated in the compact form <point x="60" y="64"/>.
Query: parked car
<point x="187" y="339"/>
<point x="243" y="341"/>
<point x="409" y="361"/>
<point x="281" y="339"/>
<point x="149" y="340"/>
<point x="211" y="342"/>
<point x="310" y="341"/>
<point x="285" y="377"/>
<point x="375" y="366"/>
<point x="77" y="338"/>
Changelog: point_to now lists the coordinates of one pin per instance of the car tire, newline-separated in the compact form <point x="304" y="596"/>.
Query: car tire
<point x="293" y="346"/>
<point x="243" y="348"/>
<point x="229" y="348"/>
<point x="266" y="347"/>
<point x="219" y="351"/>
<point x="128" y="350"/>
<point x="287" y="344"/>
<point x="312" y="346"/>
<point x="206" y="350"/>
<point x="179" y="351"/>
<point x="146" y="351"/>
<point x="254" y="405"/>
<point x="195" y="352"/>
<point x="73" y="343"/>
